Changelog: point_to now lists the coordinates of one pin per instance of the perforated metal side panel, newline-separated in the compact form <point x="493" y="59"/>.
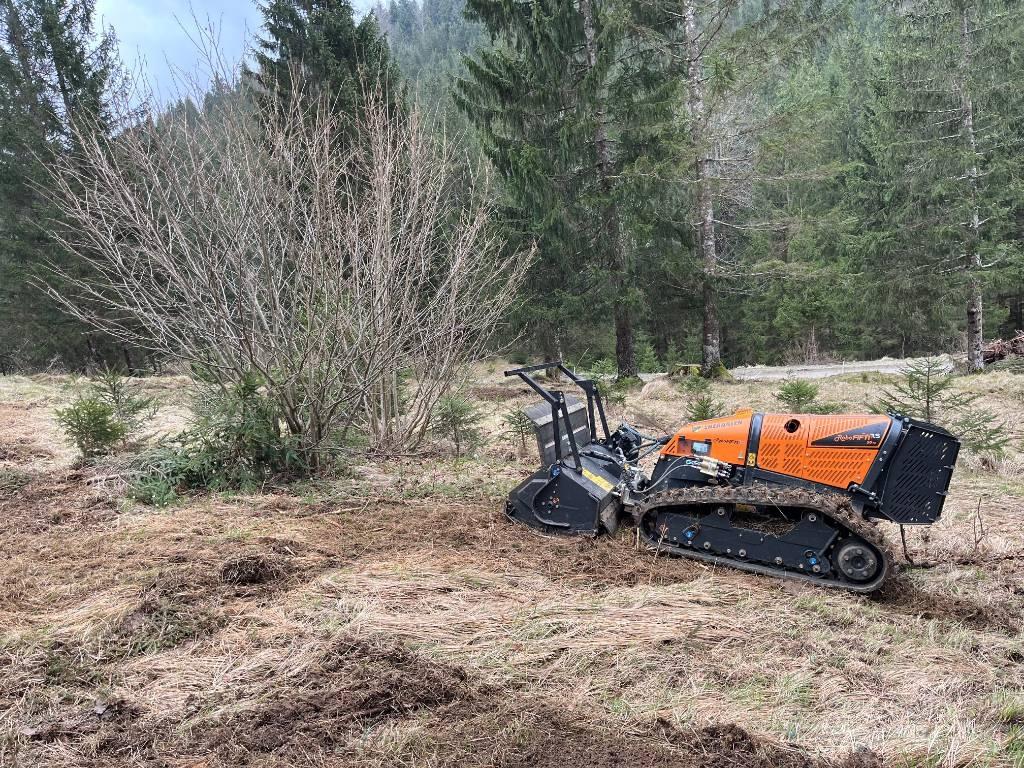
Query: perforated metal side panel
<point x="832" y="450"/>
<point x="918" y="477"/>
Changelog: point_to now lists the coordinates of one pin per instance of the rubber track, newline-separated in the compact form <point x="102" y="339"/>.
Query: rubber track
<point x="834" y="506"/>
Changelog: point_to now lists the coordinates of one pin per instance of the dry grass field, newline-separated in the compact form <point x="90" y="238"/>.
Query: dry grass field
<point x="392" y="617"/>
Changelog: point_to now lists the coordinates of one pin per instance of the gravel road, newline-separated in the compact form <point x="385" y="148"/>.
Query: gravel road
<point x="779" y="372"/>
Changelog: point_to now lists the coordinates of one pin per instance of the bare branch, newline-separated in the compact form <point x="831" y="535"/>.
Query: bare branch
<point x="245" y="238"/>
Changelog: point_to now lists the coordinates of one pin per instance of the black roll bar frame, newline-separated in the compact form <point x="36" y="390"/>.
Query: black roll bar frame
<point x="560" y="411"/>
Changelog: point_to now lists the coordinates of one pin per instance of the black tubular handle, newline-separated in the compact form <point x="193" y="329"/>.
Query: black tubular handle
<point x="538" y="367"/>
<point x="521" y="372"/>
<point x="524" y="374"/>
<point x="587" y="385"/>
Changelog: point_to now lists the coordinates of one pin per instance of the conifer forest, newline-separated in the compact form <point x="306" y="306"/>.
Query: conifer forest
<point x="719" y="183"/>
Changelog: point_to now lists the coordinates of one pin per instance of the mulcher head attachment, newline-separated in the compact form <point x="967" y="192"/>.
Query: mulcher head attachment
<point x="574" y="491"/>
<point x="559" y="499"/>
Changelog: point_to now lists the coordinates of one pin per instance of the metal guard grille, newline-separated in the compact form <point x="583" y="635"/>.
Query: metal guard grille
<point x="917" y="480"/>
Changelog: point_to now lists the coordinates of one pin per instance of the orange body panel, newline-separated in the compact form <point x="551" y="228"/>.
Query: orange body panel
<point x="831" y="450"/>
<point x="836" y="464"/>
<point x="727" y="435"/>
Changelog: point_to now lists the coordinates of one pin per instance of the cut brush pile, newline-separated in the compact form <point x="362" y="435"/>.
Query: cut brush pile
<point x="999" y="349"/>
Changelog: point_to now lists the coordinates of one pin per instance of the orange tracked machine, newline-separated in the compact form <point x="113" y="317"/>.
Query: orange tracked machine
<point x="788" y="495"/>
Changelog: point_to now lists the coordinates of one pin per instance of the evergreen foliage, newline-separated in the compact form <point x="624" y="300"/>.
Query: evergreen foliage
<point x="798" y="395"/>
<point x="703" y="407"/>
<point x="457" y="418"/>
<point x="235" y="442"/>
<point x="787" y="182"/>
<point x="91" y="425"/>
<point x="428" y="40"/>
<point x="572" y="112"/>
<point x="801" y="396"/>
<point x="131" y="408"/>
<point x="927" y="391"/>
<point x="319" y="46"/>
<point x="944" y="146"/>
<point x="109" y="412"/>
<point x="56" y="69"/>
<point x="518" y="427"/>
<point x="692" y="384"/>
<point x="647" y="359"/>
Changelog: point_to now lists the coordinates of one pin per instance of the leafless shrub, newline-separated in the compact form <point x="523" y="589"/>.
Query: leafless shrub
<point x="248" y="239"/>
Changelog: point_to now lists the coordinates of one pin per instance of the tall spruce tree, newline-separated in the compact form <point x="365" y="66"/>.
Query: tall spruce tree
<point x="429" y="40"/>
<point x="558" y="101"/>
<point x="56" y="71"/>
<point x="736" y="55"/>
<point x="803" y="297"/>
<point x="948" y="151"/>
<point x="320" y="47"/>
<point x="820" y="183"/>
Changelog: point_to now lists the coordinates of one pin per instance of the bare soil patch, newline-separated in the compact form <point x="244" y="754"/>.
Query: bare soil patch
<point x="246" y="570"/>
<point x="349" y="702"/>
<point x="47" y="499"/>
<point x="23" y="450"/>
<point x="499" y="393"/>
<point x="350" y="686"/>
<point x="476" y="532"/>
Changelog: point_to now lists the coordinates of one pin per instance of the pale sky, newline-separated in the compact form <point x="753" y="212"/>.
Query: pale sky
<point x="155" y="34"/>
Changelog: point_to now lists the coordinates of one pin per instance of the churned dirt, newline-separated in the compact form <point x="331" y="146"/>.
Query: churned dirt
<point x="393" y="617"/>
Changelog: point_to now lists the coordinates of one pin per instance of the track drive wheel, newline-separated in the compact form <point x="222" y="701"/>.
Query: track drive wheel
<point x="856" y="560"/>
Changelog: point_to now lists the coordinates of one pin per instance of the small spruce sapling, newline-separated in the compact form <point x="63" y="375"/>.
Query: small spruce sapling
<point x="456" y="418"/>
<point x="129" y="407"/>
<point x="236" y="442"/>
<point x="647" y="359"/>
<point x="603" y="368"/>
<point x="926" y="392"/>
<point x="672" y="358"/>
<point x="108" y="413"/>
<point x="801" y="396"/>
<point x="91" y="425"/>
<point x="797" y="395"/>
<point x="518" y="427"/>
<point x="704" y="407"/>
<point x="695" y="385"/>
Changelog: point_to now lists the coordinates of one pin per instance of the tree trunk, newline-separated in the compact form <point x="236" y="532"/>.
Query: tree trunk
<point x="93" y="362"/>
<point x="711" y="344"/>
<point x="129" y="367"/>
<point x="711" y="347"/>
<point x="975" y="323"/>
<point x="625" y="349"/>
<point x="972" y="251"/>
